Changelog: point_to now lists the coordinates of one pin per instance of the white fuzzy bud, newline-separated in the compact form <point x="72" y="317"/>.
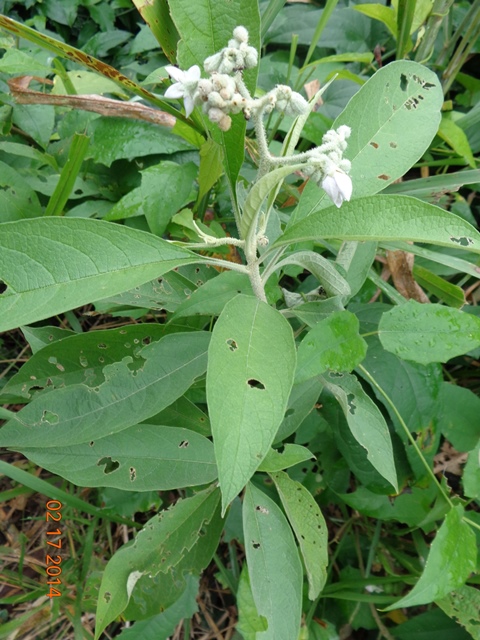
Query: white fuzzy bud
<point x="240" y="34"/>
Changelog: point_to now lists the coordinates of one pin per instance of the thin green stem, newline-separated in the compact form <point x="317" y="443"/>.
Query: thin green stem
<point x="429" y="470"/>
<point x="439" y="12"/>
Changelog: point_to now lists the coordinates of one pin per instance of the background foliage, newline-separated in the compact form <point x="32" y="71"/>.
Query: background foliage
<point x="362" y="520"/>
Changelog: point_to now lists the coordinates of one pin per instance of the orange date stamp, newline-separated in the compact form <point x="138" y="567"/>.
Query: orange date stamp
<point x="54" y="540"/>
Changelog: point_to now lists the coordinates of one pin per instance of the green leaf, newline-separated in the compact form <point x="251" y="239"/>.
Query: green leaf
<point x="165" y="189"/>
<point x="18" y="62"/>
<point x="366" y="423"/>
<point x="471" y="474"/>
<point x="428" y="333"/>
<point x="17" y="199"/>
<point x="163" y="625"/>
<point x="450" y="293"/>
<point x="451" y="560"/>
<point x="323" y="270"/>
<point x="273" y="564"/>
<point x="118" y="138"/>
<point x="251" y="364"/>
<point x="78" y="413"/>
<point x="463" y="605"/>
<point x="334" y="343"/>
<point x="458" y="417"/>
<point x="211" y="166"/>
<point x="310" y="529"/>
<point x="380" y="12"/>
<point x="249" y="622"/>
<point x="301" y="402"/>
<point x="386" y="218"/>
<point x="163" y="546"/>
<point x="77" y="358"/>
<point x="66" y="263"/>
<point x="356" y="258"/>
<point x="183" y="413"/>
<point x="156" y="14"/>
<point x="141" y="458"/>
<point x="456" y="138"/>
<point x="210" y="298"/>
<point x="205" y="27"/>
<point x="393" y="117"/>
<point x="291" y="455"/>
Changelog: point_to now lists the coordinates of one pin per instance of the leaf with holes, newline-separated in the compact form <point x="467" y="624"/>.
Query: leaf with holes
<point x="144" y="457"/>
<point x="452" y="558"/>
<point x="273" y="565"/>
<point x="334" y="343"/>
<point x="310" y="529"/>
<point x="67" y="262"/>
<point x="166" y="545"/>
<point x="291" y="455"/>
<point x="78" y="359"/>
<point x="386" y="218"/>
<point x="131" y="392"/>
<point x="393" y="117"/>
<point x="251" y="364"/>
<point x="428" y="333"/>
<point x="366" y="423"/>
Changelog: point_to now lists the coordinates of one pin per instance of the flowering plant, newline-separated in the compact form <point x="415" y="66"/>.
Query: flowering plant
<point x="259" y="374"/>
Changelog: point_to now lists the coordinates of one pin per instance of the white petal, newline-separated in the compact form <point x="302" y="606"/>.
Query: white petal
<point x="175" y="91"/>
<point x="189" y="105"/>
<point x="193" y="73"/>
<point x="344" y="184"/>
<point x="330" y="187"/>
<point x="175" y="73"/>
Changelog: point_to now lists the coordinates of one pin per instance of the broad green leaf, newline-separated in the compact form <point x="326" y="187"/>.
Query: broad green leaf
<point x="211" y="166"/>
<point x="87" y="82"/>
<point x="249" y="622"/>
<point x="128" y="395"/>
<point x="40" y="337"/>
<point x="144" y="457"/>
<point x="291" y="455"/>
<point x="366" y="423"/>
<point x="301" y="402"/>
<point x="273" y="565"/>
<point x="78" y="358"/>
<point x="356" y="258"/>
<point x="163" y="545"/>
<point x="210" y="298"/>
<point x="312" y="312"/>
<point x="67" y="262"/>
<point x="428" y="333"/>
<point x="183" y="413"/>
<point x="251" y="364"/>
<point x="323" y="270"/>
<point x="17" y="199"/>
<point x="205" y="27"/>
<point x="157" y="15"/>
<point x="459" y="416"/>
<point x="163" y="625"/>
<point x="380" y="12"/>
<point x="463" y="606"/>
<point x="456" y="138"/>
<point x="386" y="218"/>
<point x="430" y="625"/>
<point x="15" y="62"/>
<point x="165" y="189"/>
<point x="393" y="117"/>
<point x="471" y="474"/>
<point x="333" y="343"/>
<point x="310" y="529"/>
<point x="119" y="138"/>
<point x="451" y="560"/>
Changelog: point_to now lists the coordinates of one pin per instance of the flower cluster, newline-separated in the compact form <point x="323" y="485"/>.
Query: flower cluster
<point x="327" y="167"/>
<point x="224" y="93"/>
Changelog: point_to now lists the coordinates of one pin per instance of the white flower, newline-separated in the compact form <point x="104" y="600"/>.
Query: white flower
<point x="185" y="85"/>
<point x="338" y="187"/>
